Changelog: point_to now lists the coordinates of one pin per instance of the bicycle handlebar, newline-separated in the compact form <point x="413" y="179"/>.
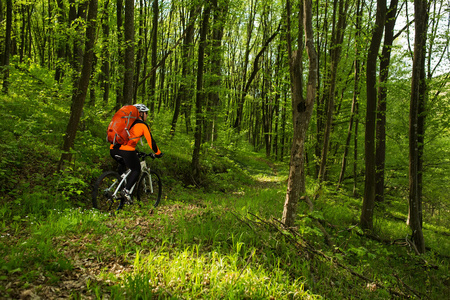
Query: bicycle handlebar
<point x="143" y="155"/>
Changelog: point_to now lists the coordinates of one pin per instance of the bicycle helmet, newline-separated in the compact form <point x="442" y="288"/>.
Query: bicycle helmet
<point x="141" y="107"/>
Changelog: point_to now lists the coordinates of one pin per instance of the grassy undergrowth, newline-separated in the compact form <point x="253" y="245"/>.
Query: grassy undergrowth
<point x="216" y="238"/>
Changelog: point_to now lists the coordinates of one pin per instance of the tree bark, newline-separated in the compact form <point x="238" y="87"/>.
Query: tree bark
<point x="79" y="95"/>
<point x="302" y="111"/>
<point x="220" y="11"/>
<point x="6" y="53"/>
<point x="186" y="52"/>
<point x="128" y="80"/>
<point x="336" y="49"/>
<point x="241" y="97"/>
<point x="381" y="109"/>
<point x="105" y="67"/>
<point x="418" y="91"/>
<point x="154" y="46"/>
<point x="366" y="220"/>
<point x="356" y="91"/>
<point x="200" y="92"/>
<point x="120" y="54"/>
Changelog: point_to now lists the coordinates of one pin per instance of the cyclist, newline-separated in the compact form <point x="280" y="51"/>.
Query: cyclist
<point x="128" y="151"/>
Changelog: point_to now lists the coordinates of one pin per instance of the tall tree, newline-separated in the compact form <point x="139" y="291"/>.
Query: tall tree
<point x="382" y="95"/>
<point x="7" y="51"/>
<point x="366" y="220"/>
<point x="215" y="52"/>
<point x="301" y="109"/>
<point x="356" y="92"/>
<point x="79" y="96"/>
<point x="244" y="86"/>
<point x="104" y="79"/>
<point x="186" y="53"/>
<point x="128" y="80"/>
<point x="418" y="94"/>
<point x="61" y="40"/>
<point x="336" y="49"/>
<point x="120" y="55"/>
<point x="154" y="42"/>
<point x="200" y="95"/>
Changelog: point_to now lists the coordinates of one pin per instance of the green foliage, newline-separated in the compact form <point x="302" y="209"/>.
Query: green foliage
<point x="215" y="237"/>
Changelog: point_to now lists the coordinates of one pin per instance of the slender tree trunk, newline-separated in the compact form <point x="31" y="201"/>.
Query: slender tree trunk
<point x="418" y="91"/>
<point x="140" y="50"/>
<point x="366" y="220"/>
<point x="336" y="49"/>
<point x="216" y="54"/>
<point x="154" y="57"/>
<point x="186" y="52"/>
<point x="302" y="111"/>
<point x="381" y="109"/>
<point x="128" y="79"/>
<point x="356" y="91"/>
<point x="120" y="56"/>
<point x="105" y="68"/>
<point x="7" y="51"/>
<point x="61" y="41"/>
<point x="200" y="92"/>
<point x="79" y="96"/>
<point x="241" y="97"/>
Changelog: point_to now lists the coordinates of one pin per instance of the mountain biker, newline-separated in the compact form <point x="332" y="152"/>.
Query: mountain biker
<point x="128" y="151"/>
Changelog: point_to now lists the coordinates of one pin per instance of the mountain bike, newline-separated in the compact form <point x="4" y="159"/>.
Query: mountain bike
<point x="106" y="193"/>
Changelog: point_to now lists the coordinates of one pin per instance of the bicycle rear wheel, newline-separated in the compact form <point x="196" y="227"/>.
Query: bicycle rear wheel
<point x="149" y="189"/>
<point x="102" y="193"/>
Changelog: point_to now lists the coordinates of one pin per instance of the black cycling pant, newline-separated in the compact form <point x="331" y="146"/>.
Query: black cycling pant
<point x="129" y="160"/>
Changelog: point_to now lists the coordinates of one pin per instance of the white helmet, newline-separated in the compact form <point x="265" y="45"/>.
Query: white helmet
<point x="141" y="107"/>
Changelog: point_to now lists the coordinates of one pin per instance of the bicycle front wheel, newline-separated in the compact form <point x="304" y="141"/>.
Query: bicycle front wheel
<point x="102" y="193"/>
<point x="149" y="189"/>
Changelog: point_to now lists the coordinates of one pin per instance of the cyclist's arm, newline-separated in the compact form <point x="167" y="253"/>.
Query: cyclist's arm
<point x="151" y="142"/>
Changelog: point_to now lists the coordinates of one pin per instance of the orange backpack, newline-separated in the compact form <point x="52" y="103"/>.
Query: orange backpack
<point x="122" y="121"/>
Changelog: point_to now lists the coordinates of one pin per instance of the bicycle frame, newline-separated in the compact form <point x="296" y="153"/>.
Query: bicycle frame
<point x="124" y="178"/>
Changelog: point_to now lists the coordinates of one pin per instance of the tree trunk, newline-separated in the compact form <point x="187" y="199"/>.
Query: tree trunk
<point x="336" y="49"/>
<point x="128" y="84"/>
<point x="6" y="53"/>
<point x="216" y="55"/>
<point x="61" y="42"/>
<point x="381" y="109"/>
<point x="140" y="49"/>
<point x="186" y="52"/>
<point x="241" y="97"/>
<point x="105" y="68"/>
<point x="79" y="95"/>
<point x="356" y="91"/>
<point x="302" y="111"/>
<point x="200" y="92"/>
<point x="418" y="91"/>
<point x="120" y="57"/>
<point x="366" y="220"/>
<point x="154" y="57"/>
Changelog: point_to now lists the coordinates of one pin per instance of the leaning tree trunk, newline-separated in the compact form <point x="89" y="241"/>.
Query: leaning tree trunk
<point x="302" y="111"/>
<point x="79" y="95"/>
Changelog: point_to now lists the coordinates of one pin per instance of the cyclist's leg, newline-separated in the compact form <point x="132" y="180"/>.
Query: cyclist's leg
<point x="122" y="167"/>
<point x="134" y="164"/>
